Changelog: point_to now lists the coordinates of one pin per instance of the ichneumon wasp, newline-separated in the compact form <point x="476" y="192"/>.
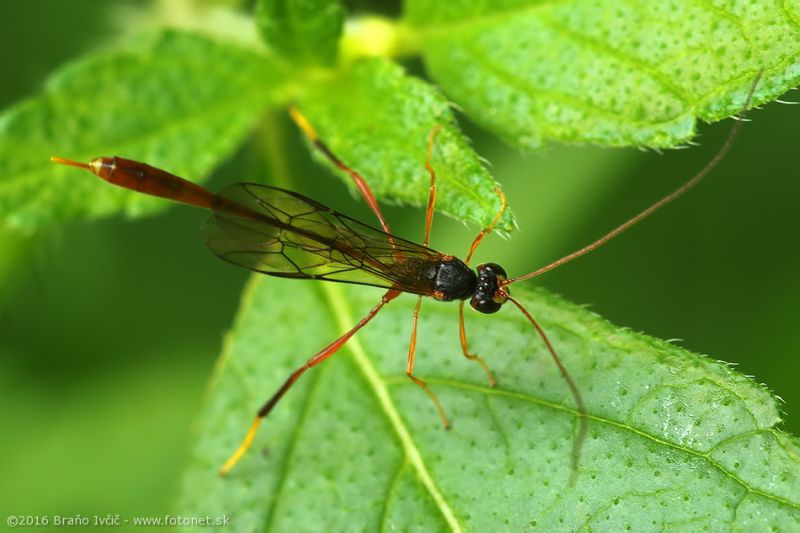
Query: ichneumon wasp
<point x="282" y="233"/>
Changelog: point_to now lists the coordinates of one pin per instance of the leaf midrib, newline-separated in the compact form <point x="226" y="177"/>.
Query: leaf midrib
<point x="344" y="319"/>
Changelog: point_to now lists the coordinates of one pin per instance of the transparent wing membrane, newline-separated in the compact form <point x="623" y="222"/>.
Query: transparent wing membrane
<point x="283" y="233"/>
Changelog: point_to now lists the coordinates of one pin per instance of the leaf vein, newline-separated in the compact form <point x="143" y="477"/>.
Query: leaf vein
<point x="726" y="15"/>
<point x="735" y="511"/>
<point x="613" y="423"/>
<point x="566" y="98"/>
<point x="294" y="438"/>
<point x="605" y="49"/>
<point x="390" y="492"/>
<point x="793" y="18"/>
<point x="500" y="430"/>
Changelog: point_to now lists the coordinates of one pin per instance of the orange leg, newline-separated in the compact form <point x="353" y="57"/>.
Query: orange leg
<point x="323" y="354"/>
<point x="462" y="333"/>
<point x="485" y="231"/>
<point x="432" y="188"/>
<point x="410" y="367"/>
<point x="412" y="347"/>
<point x="361" y="184"/>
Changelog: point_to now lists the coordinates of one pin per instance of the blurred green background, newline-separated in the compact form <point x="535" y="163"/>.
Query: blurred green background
<point x="109" y="331"/>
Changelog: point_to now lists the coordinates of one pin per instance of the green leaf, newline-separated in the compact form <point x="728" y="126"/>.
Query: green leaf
<point x="176" y="100"/>
<point x="377" y="119"/>
<point x="303" y="31"/>
<point x="612" y="72"/>
<point x="675" y="441"/>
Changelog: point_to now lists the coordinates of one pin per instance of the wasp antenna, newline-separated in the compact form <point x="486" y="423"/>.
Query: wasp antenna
<point x="677" y="193"/>
<point x="582" y="415"/>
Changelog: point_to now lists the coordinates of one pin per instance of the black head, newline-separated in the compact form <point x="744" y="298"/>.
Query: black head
<point x="488" y="296"/>
<point x="452" y="279"/>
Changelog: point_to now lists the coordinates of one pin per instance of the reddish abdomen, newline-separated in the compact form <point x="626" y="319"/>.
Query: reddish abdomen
<point x="141" y="177"/>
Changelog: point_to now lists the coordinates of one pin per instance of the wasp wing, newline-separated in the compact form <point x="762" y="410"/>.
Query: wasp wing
<point x="283" y="233"/>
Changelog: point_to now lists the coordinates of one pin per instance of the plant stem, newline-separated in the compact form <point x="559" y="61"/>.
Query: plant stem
<point x="269" y="149"/>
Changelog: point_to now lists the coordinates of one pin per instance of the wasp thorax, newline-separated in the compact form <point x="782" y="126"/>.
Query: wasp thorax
<point x="489" y="297"/>
<point x="452" y="280"/>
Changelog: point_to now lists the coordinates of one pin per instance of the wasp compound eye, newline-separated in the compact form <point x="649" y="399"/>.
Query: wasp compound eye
<point x="488" y="297"/>
<point x="485" y="305"/>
